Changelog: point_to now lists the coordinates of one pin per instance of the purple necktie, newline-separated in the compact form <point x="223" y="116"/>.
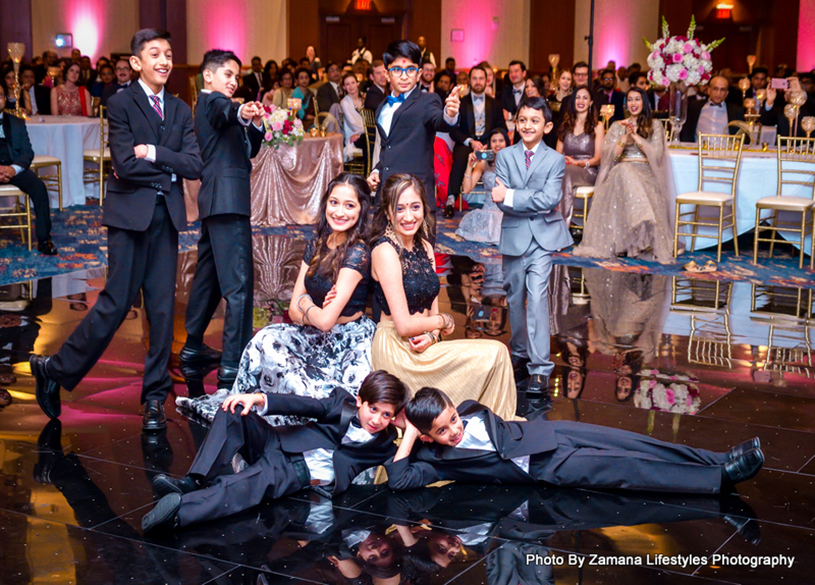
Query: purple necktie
<point x="529" y="155"/>
<point x="157" y="106"/>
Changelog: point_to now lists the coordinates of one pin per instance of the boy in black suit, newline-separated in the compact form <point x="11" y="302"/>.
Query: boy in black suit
<point x="152" y="148"/>
<point x="408" y="120"/>
<point x="347" y="438"/>
<point x="229" y="135"/>
<point x="474" y="445"/>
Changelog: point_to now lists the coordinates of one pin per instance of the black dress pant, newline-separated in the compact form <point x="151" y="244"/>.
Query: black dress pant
<point x="270" y="474"/>
<point x="28" y="182"/>
<point x="137" y="261"/>
<point x="596" y="456"/>
<point x="225" y="270"/>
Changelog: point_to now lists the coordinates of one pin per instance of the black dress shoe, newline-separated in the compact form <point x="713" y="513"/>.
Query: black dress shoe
<point x="519" y="368"/>
<point x="226" y="376"/>
<point x="741" y="449"/>
<point x="744" y="467"/>
<point x="203" y="354"/>
<point x="449" y="212"/>
<point x="154" y="418"/>
<point x="164" y="516"/>
<point x="49" y="447"/>
<point x="163" y="485"/>
<point x="538" y="387"/>
<point x="47" y="389"/>
<point x="47" y="247"/>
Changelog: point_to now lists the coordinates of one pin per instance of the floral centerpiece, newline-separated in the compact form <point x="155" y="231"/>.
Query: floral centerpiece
<point x="281" y="126"/>
<point x="680" y="58"/>
<point x="671" y="394"/>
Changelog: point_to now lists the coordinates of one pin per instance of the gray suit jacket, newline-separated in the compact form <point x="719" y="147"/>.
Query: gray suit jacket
<point x="534" y="212"/>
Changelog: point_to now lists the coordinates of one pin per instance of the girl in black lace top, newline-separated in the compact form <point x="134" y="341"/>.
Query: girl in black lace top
<point x="407" y="342"/>
<point x="329" y="344"/>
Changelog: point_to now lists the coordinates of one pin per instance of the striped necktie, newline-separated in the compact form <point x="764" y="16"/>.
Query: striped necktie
<point x="157" y="106"/>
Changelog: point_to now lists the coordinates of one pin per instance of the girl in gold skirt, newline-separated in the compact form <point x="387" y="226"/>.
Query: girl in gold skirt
<point x="407" y="342"/>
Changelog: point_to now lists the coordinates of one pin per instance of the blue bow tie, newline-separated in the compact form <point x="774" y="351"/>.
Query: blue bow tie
<point x="393" y="100"/>
<point x="477" y="99"/>
<point x="516" y="91"/>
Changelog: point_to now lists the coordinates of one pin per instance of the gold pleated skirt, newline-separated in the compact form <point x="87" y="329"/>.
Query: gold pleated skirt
<point x="464" y="369"/>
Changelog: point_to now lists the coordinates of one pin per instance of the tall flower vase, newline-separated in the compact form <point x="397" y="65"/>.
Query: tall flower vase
<point x="677" y="108"/>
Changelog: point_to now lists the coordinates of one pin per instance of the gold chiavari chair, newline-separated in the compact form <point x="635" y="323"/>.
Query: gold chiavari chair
<point x="43" y="162"/>
<point x="99" y="156"/>
<point x="719" y="162"/>
<point x="710" y="341"/>
<point x="18" y="212"/>
<point x="584" y="195"/>
<point x="693" y="294"/>
<point x="790" y="302"/>
<point x="369" y="121"/>
<point x="796" y="166"/>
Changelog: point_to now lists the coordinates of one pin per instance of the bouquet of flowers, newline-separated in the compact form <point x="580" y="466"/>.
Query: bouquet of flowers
<point x="282" y="127"/>
<point x="680" y="59"/>
<point x="676" y="397"/>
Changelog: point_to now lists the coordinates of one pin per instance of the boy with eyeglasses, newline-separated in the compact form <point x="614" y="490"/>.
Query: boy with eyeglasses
<point x="408" y="121"/>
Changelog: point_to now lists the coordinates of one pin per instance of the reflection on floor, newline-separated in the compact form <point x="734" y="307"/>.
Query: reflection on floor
<point x="699" y="362"/>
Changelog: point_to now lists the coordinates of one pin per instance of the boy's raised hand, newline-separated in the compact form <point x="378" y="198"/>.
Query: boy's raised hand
<point x="499" y="192"/>
<point x="245" y="400"/>
<point x="453" y="101"/>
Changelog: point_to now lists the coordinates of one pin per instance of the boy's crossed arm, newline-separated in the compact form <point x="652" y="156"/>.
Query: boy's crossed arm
<point x="528" y="202"/>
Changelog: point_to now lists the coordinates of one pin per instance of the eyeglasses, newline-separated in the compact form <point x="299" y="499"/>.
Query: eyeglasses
<point x="122" y="69"/>
<point x="401" y="71"/>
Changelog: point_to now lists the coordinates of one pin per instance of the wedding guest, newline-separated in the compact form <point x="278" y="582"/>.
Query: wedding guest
<point x="280" y="96"/>
<point x="87" y="75"/>
<point x="329" y="93"/>
<point x="428" y="74"/>
<point x="378" y="77"/>
<point x="772" y="114"/>
<point x="629" y="213"/>
<point x="314" y="64"/>
<point x="407" y="342"/>
<point x="483" y="225"/>
<point x="123" y="73"/>
<point x="580" y="73"/>
<point x="70" y="98"/>
<point x="37" y="98"/>
<point x="443" y="84"/>
<point x="426" y="54"/>
<point x="360" y="53"/>
<point x="580" y="141"/>
<point x="254" y="81"/>
<point x="49" y="58"/>
<point x="623" y="73"/>
<point x="607" y="94"/>
<point x="7" y="81"/>
<point x="270" y="73"/>
<point x="103" y="81"/>
<point x="512" y="94"/>
<point x="328" y="344"/>
<point x="302" y="92"/>
<point x="353" y="127"/>
<point x="536" y="87"/>
<point x="565" y="85"/>
<point x="450" y="67"/>
<point x="463" y="80"/>
<point x="493" y="89"/>
<point x="712" y="115"/>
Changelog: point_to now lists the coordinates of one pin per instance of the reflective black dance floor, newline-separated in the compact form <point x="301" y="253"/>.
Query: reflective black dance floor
<point x="692" y="362"/>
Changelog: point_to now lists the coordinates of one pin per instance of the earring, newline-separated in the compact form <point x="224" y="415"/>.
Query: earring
<point x="390" y="233"/>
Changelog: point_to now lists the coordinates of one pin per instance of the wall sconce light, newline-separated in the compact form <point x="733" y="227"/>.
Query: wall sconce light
<point x="64" y="40"/>
<point x="457" y="35"/>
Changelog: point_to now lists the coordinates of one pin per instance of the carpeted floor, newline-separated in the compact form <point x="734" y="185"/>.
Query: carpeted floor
<point x="80" y="237"/>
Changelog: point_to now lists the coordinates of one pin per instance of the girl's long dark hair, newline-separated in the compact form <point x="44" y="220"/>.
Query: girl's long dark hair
<point x="570" y="115"/>
<point x="646" y="116"/>
<point x="391" y="191"/>
<point x="326" y="261"/>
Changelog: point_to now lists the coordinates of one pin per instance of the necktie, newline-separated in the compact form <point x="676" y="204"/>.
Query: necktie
<point x="529" y="155"/>
<point x="157" y="105"/>
<point x="393" y="100"/>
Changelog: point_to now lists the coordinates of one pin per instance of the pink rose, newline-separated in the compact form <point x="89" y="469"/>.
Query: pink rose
<point x="666" y="82"/>
<point x="670" y="396"/>
<point x="677" y="57"/>
<point x="277" y="126"/>
<point x="688" y="48"/>
<point x="268" y="137"/>
<point x="683" y="74"/>
<point x="689" y="400"/>
<point x="705" y="55"/>
<point x="298" y="123"/>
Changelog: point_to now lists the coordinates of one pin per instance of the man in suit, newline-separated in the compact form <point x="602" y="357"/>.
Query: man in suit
<point x="711" y="116"/>
<point x="330" y="92"/>
<point x="471" y="443"/>
<point x="609" y="95"/>
<point x="152" y="148"/>
<point x="479" y="115"/>
<point x="256" y="80"/>
<point x="361" y="52"/>
<point x="346" y="438"/>
<point x="528" y="191"/>
<point x="87" y="74"/>
<point x="39" y="96"/>
<point x="123" y="73"/>
<point x="229" y="135"/>
<point x="772" y="113"/>
<point x="16" y="155"/>
<point x="408" y="121"/>
<point x="512" y="93"/>
<point x="378" y="87"/>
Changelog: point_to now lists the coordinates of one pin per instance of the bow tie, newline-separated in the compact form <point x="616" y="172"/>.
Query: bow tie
<point x="477" y="99"/>
<point x="394" y="100"/>
<point x="120" y="86"/>
<point x="355" y="423"/>
<point x="516" y="91"/>
<point x="721" y="105"/>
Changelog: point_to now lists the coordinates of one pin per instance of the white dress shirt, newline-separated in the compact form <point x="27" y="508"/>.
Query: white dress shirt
<point x="477" y="438"/>
<point x="33" y="99"/>
<point x="362" y="53"/>
<point x="320" y="462"/>
<point x="712" y="119"/>
<point x="518" y="95"/>
<point x="510" y="196"/>
<point x="479" y="105"/>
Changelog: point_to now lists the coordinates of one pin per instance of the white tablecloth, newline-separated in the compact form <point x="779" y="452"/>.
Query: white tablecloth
<point x="65" y="137"/>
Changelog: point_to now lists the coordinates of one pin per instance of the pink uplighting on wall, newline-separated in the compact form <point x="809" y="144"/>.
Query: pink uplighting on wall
<point x="84" y="18"/>
<point x="228" y="31"/>
<point x="806" y="36"/>
<point x="475" y="19"/>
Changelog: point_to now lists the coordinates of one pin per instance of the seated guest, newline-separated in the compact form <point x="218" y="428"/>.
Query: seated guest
<point x="123" y="73"/>
<point x="607" y="94"/>
<point x="807" y="81"/>
<point x="353" y="127"/>
<point x="103" y="81"/>
<point x="580" y="73"/>
<point x="463" y="80"/>
<point x="450" y="67"/>
<point x="314" y="64"/>
<point x="493" y="89"/>
<point x="16" y="155"/>
<point x="87" y="74"/>
<point x="7" y="80"/>
<point x="329" y="93"/>
<point x="360" y="53"/>
<point x="443" y="84"/>
<point x="254" y="81"/>
<point x="270" y="74"/>
<point x="711" y="116"/>
<point x="378" y="77"/>
<point x="280" y="96"/>
<point x="563" y="89"/>
<point x="537" y="86"/>
<point x="483" y="225"/>
<point x="360" y="69"/>
<point x="36" y="98"/>
<point x="407" y="341"/>
<point x="623" y="74"/>
<point x="328" y="343"/>
<point x="478" y="116"/>
<point x="426" y="54"/>
<point x="512" y="93"/>
<point x="302" y="92"/>
<point x="772" y="114"/>
<point x="427" y="75"/>
<point x="70" y="98"/>
<point x="49" y="58"/>
<point x="580" y="141"/>
<point x="629" y="211"/>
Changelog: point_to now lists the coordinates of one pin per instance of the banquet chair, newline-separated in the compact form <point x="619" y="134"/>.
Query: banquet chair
<point x="326" y="121"/>
<point x="694" y="294"/>
<point x="98" y="156"/>
<point x="18" y="212"/>
<point x="796" y="166"/>
<point x="41" y="162"/>
<point x="710" y="340"/>
<point x="583" y="194"/>
<point x="369" y="120"/>
<point x="790" y="302"/>
<point x="719" y="162"/>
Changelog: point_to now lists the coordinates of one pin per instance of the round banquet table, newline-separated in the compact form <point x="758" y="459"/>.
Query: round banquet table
<point x="287" y="183"/>
<point x="65" y="137"/>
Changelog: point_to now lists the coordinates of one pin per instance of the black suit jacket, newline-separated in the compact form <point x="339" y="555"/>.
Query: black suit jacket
<point x="374" y="97"/>
<point x="226" y="149"/>
<point x="688" y="133"/>
<point x="133" y="188"/>
<point x="19" y="145"/>
<point x="110" y="91"/>
<point x="408" y="148"/>
<point x="775" y="116"/>
<point x="617" y="100"/>
<point x="332" y="416"/>
<point x="493" y="118"/>
<point x="327" y="97"/>
<point x="42" y="95"/>
<point x="250" y="82"/>
<point x="508" y="99"/>
<point x="429" y="463"/>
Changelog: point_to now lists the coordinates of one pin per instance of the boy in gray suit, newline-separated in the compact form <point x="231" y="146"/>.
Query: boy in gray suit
<point x="527" y="190"/>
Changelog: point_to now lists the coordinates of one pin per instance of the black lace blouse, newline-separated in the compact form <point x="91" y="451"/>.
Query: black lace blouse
<point x="418" y="278"/>
<point x="358" y="258"/>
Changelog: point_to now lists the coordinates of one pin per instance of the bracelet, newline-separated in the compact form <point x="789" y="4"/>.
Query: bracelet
<point x="621" y="144"/>
<point x="300" y="298"/>
<point x="468" y="176"/>
<point x="639" y="144"/>
<point x="432" y="336"/>
<point x="305" y="315"/>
